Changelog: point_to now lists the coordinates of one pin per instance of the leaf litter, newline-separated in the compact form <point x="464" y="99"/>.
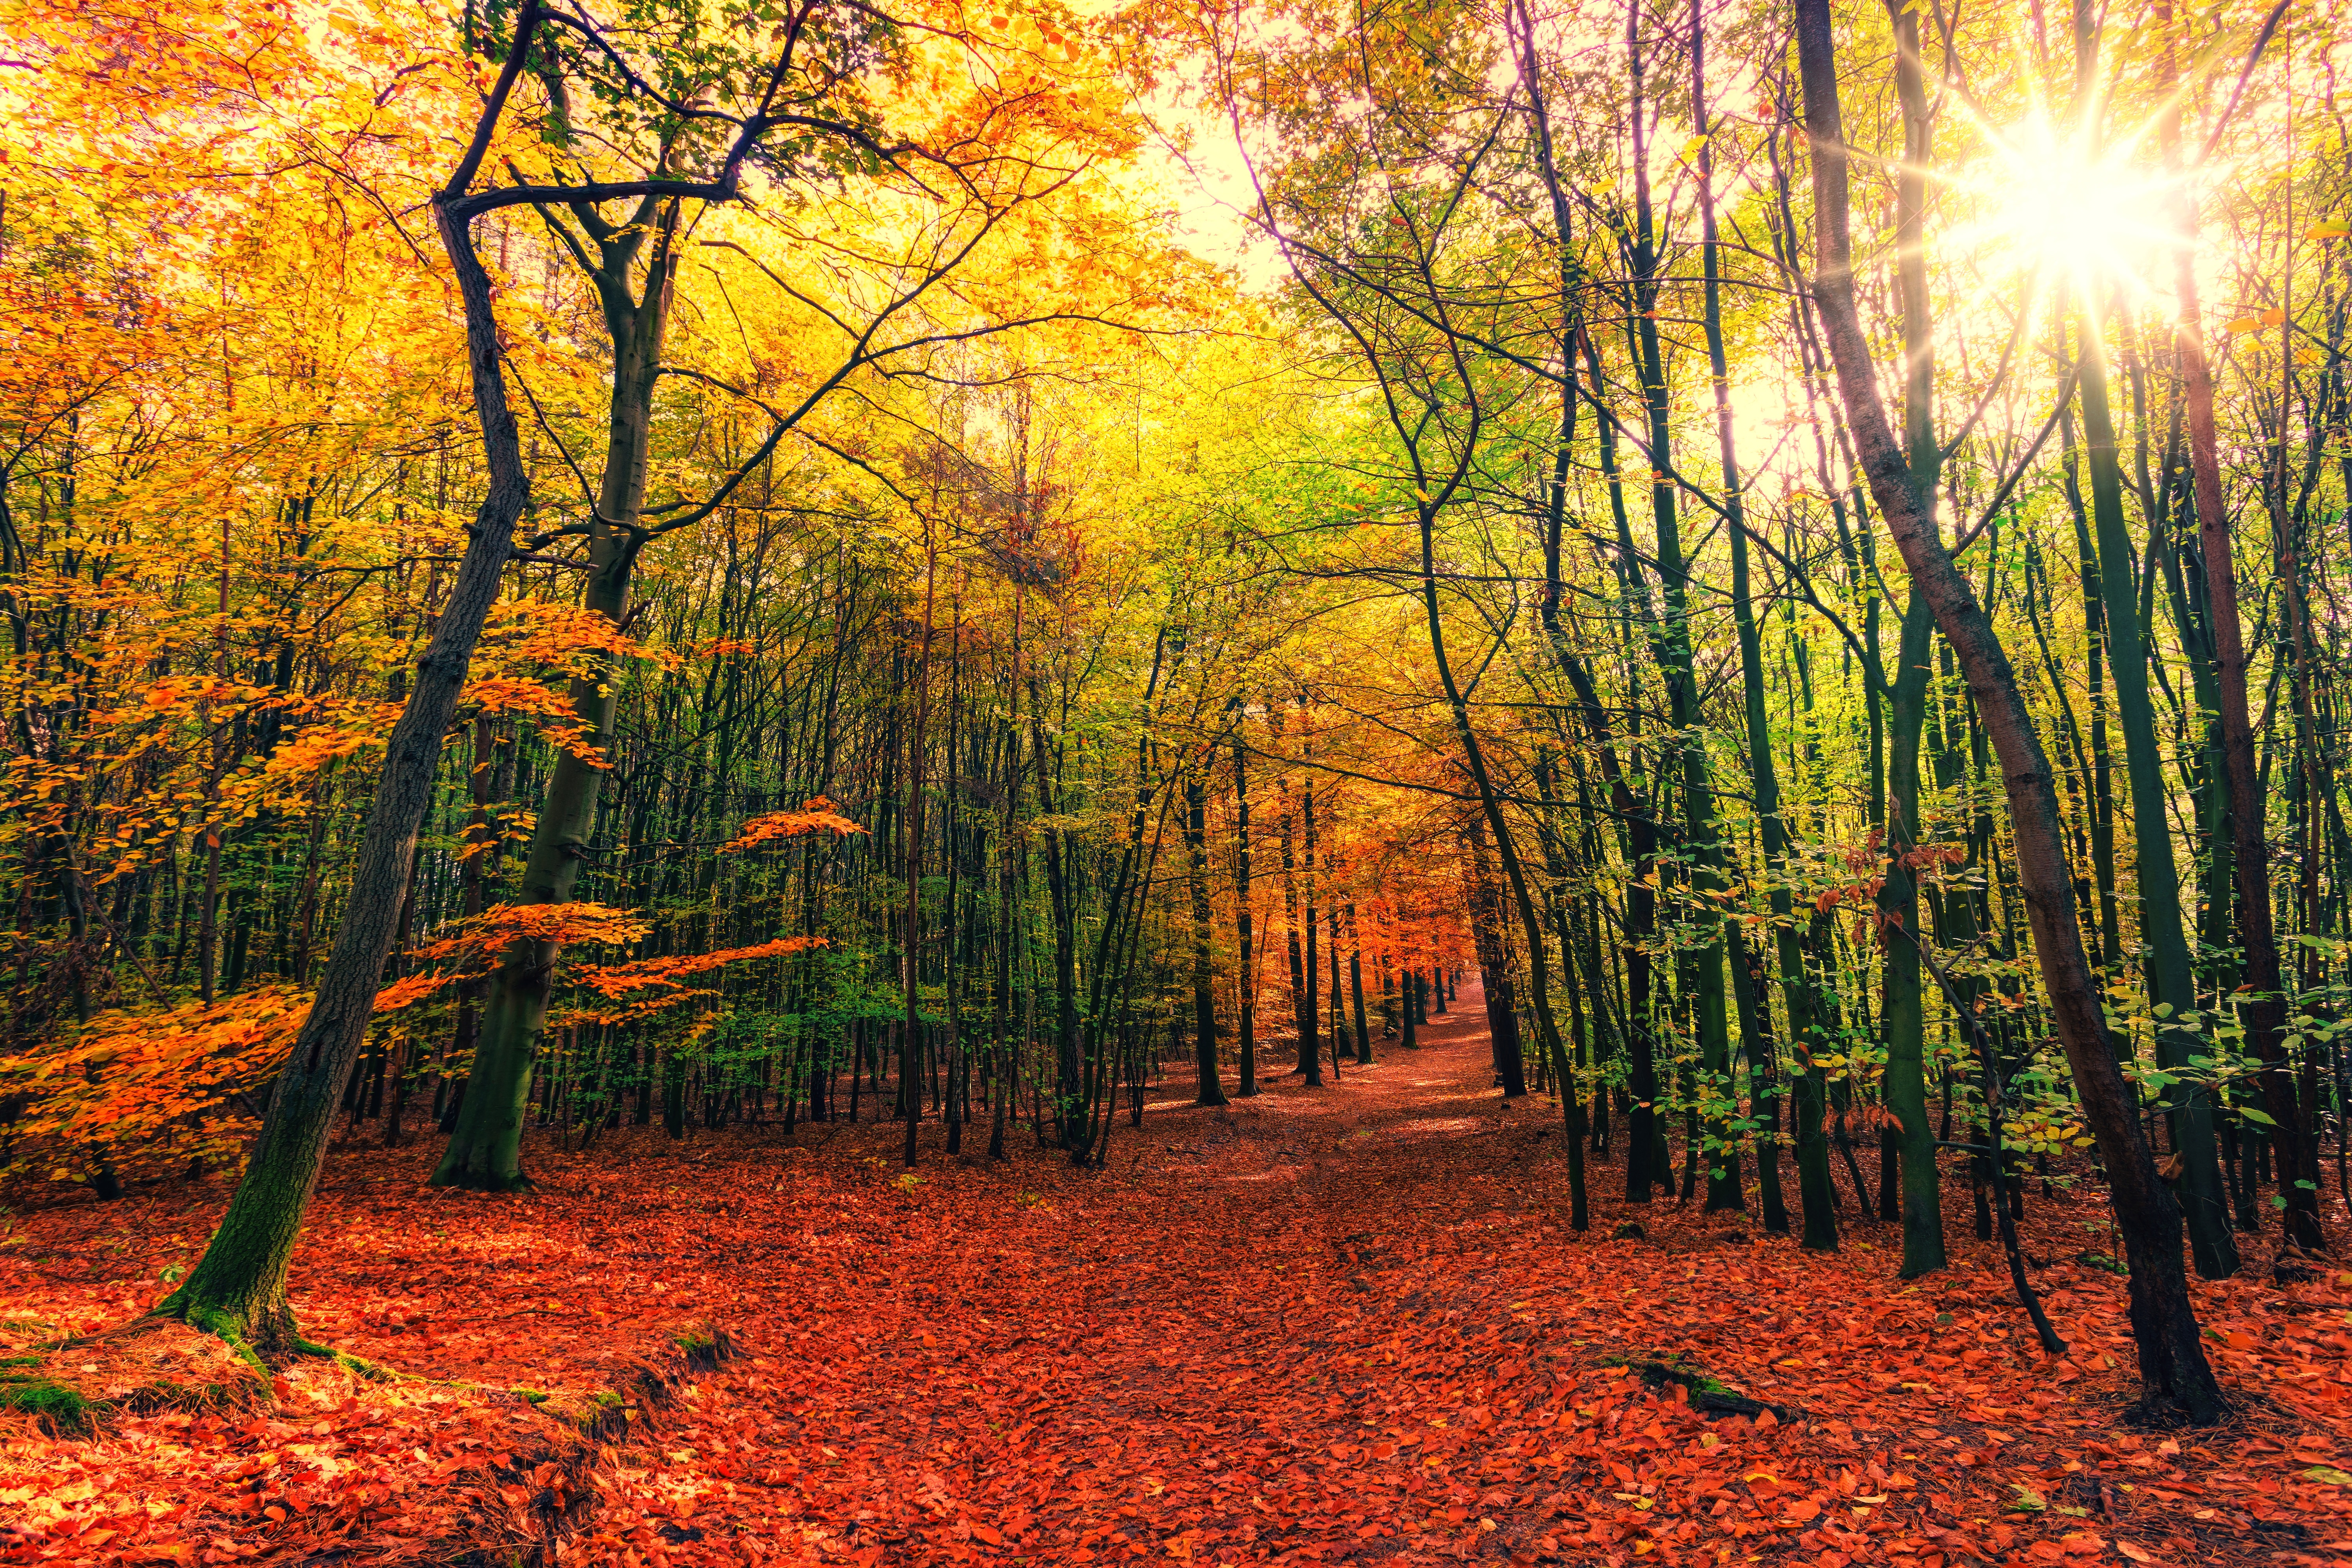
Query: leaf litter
<point x="1339" y="1326"/>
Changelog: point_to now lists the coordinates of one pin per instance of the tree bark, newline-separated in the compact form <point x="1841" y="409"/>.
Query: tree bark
<point x="1758" y="1047"/>
<point x="237" y="1288"/>
<point x="2264" y="1005"/>
<point x="1204" y="991"/>
<point x="1245" y="1042"/>
<point x="1302" y="996"/>
<point x="1494" y="970"/>
<point x="2171" y="971"/>
<point x="2173" y="1368"/>
<point x="1356" y="987"/>
<point x="1903" y="1014"/>
<point x="485" y="1151"/>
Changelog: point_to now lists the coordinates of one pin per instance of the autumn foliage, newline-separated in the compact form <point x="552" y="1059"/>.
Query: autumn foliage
<point x="1348" y="1328"/>
<point x="1571" y="783"/>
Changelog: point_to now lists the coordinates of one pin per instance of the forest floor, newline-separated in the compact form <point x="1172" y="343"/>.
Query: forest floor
<point x="1341" y="1325"/>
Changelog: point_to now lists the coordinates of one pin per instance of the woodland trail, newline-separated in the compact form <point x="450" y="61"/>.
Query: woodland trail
<point x="1345" y="1325"/>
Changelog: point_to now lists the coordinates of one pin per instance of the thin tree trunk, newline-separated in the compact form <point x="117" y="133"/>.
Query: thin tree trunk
<point x="2171" y="970"/>
<point x="1204" y="989"/>
<point x="1356" y="986"/>
<point x="1902" y="1016"/>
<point x="1798" y="994"/>
<point x="2262" y="1006"/>
<point x="1247" y="1034"/>
<point x="910" y="936"/>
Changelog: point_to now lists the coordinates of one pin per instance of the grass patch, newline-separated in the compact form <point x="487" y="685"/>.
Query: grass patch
<point x="705" y="1348"/>
<point x="60" y="1408"/>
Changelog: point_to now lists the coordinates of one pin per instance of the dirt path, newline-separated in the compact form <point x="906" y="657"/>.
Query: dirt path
<point x="1187" y="1356"/>
<point x="1345" y="1324"/>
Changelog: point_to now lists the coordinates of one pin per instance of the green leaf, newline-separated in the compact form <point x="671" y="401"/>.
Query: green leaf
<point x="2252" y="1114"/>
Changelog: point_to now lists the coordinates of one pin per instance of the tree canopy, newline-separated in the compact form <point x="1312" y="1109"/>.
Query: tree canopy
<point x="625" y="576"/>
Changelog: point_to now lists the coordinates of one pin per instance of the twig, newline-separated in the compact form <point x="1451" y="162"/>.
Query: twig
<point x="2032" y="1303"/>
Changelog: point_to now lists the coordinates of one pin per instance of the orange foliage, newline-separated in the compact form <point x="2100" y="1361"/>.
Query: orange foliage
<point x="145" y="1094"/>
<point x="621" y="979"/>
<point x="473" y="940"/>
<point x="566" y="637"/>
<point x="169" y="1074"/>
<point x="1419" y="1376"/>
<point x="150" y="1093"/>
<point x="813" y="816"/>
<point x="559" y="721"/>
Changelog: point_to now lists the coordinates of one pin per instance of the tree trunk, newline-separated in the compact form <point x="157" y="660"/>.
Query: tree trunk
<point x="2171" y="970"/>
<point x="1302" y="995"/>
<point x="485" y="1153"/>
<point x="237" y="1288"/>
<point x="1356" y="987"/>
<point x="2264" y="1006"/>
<point x="1309" y="1034"/>
<point x="1245" y="1042"/>
<point x="1494" y="970"/>
<point x="1755" y="1007"/>
<point x="1902" y="1015"/>
<point x="1902" y="1011"/>
<point x="1204" y="989"/>
<point x="2173" y="1368"/>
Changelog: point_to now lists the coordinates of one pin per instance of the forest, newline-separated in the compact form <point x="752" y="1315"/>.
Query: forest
<point x="886" y="782"/>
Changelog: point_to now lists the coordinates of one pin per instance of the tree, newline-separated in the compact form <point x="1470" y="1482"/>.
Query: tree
<point x="2173" y="1368"/>
<point x="804" y="114"/>
<point x="237" y="1289"/>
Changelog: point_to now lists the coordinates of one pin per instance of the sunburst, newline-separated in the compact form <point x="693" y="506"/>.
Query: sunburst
<point x="2087" y="217"/>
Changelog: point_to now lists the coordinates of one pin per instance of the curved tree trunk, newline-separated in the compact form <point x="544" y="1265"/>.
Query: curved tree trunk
<point x="237" y="1288"/>
<point x="2172" y="1363"/>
